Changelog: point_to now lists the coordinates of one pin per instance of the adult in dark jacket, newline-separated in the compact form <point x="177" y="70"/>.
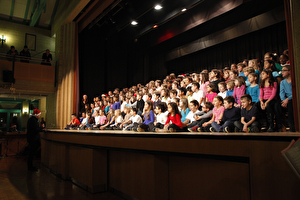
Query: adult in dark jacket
<point x="25" y="55"/>
<point x="47" y="58"/>
<point x="33" y="137"/>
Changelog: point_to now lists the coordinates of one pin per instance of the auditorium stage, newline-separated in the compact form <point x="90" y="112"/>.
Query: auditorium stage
<point x="149" y="165"/>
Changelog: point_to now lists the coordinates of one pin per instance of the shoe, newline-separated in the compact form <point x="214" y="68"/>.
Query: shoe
<point x="226" y="129"/>
<point x="66" y="128"/>
<point x="140" y="130"/>
<point x="270" y="129"/>
<point x="191" y="130"/>
<point x="161" y="130"/>
<point x="255" y="130"/>
<point x="199" y="129"/>
<point x="33" y="169"/>
<point x="281" y="128"/>
<point x="212" y="129"/>
<point x="237" y="130"/>
<point x="172" y="130"/>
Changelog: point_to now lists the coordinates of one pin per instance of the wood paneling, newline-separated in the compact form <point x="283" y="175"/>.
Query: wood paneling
<point x="139" y="175"/>
<point x="183" y="165"/>
<point x="192" y="177"/>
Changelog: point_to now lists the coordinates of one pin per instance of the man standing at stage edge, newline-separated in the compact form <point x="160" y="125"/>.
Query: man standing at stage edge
<point x="33" y="137"/>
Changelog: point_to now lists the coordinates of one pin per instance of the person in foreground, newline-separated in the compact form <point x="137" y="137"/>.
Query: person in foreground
<point x="33" y="137"/>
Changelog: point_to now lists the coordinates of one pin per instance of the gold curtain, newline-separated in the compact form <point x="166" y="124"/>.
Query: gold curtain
<point x="65" y="50"/>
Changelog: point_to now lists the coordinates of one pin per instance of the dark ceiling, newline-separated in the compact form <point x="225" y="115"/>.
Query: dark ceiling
<point x="117" y="18"/>
<point x="172" y="23"/>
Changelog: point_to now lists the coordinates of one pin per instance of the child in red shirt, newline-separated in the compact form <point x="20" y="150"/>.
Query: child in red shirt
<point x="175" y="117"/>
<point x="74" y="123"/>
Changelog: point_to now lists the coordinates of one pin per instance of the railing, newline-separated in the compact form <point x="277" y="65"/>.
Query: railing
<point x="17" y="58"/>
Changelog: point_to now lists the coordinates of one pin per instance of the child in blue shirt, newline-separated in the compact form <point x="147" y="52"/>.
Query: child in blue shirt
<point x="253" y="89"/>
<point x="230" y="87"/>
<point x="286" y="95"/>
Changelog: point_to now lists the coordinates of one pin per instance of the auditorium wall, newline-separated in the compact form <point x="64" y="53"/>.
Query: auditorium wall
<point x="15" y="34"/>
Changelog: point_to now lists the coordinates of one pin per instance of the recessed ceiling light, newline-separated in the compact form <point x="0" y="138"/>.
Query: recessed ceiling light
<point x="183" y="10"/>
<point x="158" y="7"/>
<point x="155" y="26"/>
<point x="134" y="22"/>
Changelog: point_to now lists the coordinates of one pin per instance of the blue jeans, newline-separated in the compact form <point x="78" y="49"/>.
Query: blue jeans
<point x="220" y="127"/>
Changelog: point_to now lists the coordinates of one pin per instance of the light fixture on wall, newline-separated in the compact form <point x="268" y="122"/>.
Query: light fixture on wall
<point x="3" y="39"/>
<point x="25" y="109"/>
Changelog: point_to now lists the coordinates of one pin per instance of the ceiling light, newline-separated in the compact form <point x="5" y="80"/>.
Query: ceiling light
<point x="183" y="10"/>
<point x="134" y="23"/>
<point x="155" y="26"/>
<point x="158" y="7"/>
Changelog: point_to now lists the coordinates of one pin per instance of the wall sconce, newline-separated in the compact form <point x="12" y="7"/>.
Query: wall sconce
<point x="3" y="39"/>
<point x="25" y="109"/>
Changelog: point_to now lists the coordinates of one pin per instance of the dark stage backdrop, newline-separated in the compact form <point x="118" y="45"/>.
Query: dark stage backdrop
<point x="254" y="45"/>
<point x="117" y="60"/>
<point x="107" y="64"/>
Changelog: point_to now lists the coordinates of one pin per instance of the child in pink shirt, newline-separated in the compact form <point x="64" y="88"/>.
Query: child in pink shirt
<point x="268" y="101"/>
<point x="211" y="92"/>
<point x="217" y="114"/>
<point x="239" y="89"/>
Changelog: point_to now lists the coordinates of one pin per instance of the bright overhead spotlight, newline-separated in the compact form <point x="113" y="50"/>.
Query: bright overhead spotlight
<point x="183" y="10"/>
<point x="158" y="7"/>
<point x="134" y="22"/>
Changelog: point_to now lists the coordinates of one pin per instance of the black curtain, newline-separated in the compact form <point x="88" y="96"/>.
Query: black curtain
<point x="250" y="46"/>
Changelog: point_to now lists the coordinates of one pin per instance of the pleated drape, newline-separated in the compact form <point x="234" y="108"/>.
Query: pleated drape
<point x="65" y="48"/>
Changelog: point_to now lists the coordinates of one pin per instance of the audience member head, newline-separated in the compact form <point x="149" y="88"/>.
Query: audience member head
<point x="246" y="101"/>
<point x="248" y="70"/>
<point x="211" y="88"/>
<point x="194" y="105"/>
<point x="222" y="86"/>
<point x="208" y="105"/>
<point x="215" y="74"/>
<point x="230" y="85"/>
<point x="183" y="103"/>
<point x="233" y="67"/>
<point x="162" y="107"/>
<point x="239" y="81"/>
<point x="283" y="59"/>
<point x="286" y="71"/>
<point x="173" y="93"/>
<point x="253" y="63"/>
<point x="266" y="75"/>
<point x="233" y="74"/>
<point x="252" y="78"/>
<point x="218" y="101"/>
<point x="226" y="74"/>
<point x="228" y="102"/>
<point x="269" y="64"/>
<point x="240" y="67"/>
<point x="173" y="109"/>
<point x="204" y="77"/>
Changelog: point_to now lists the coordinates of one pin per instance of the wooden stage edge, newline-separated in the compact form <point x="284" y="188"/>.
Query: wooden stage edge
<point x="181" y="165"/>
